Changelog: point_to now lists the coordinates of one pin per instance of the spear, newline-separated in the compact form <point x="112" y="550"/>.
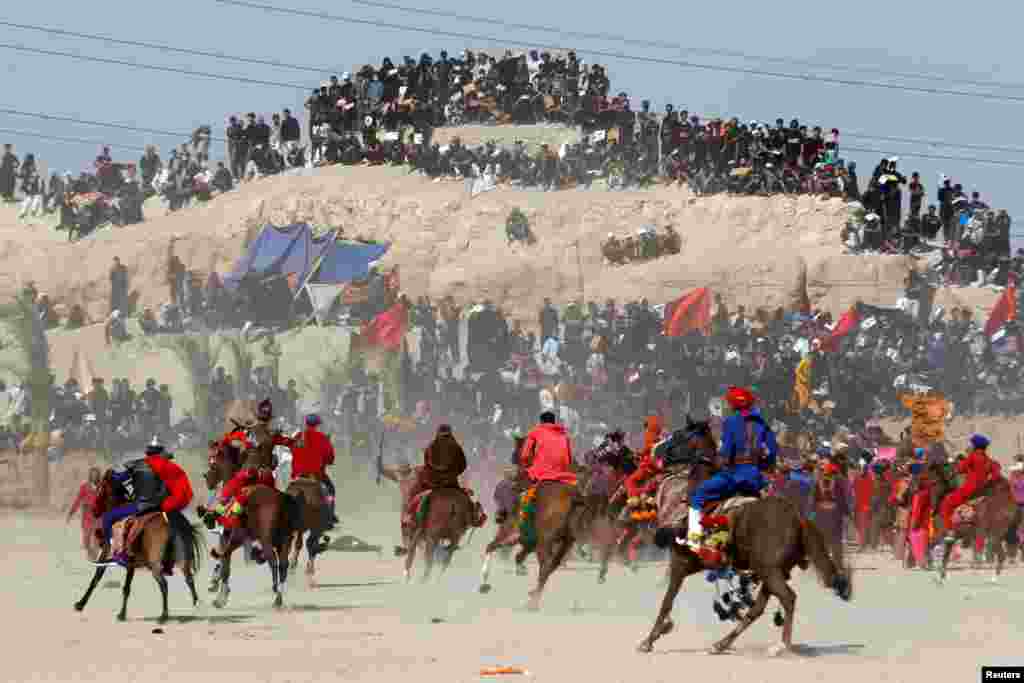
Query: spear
<point x="380" y="458"/>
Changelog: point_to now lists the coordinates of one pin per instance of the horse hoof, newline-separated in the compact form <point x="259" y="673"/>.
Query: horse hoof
<point x="278" y="601"/>
<point x="645" y="647"/>
<point x="485" y="588"/>
<point x="214" y="587"/>
<point x="667" y="628"/>
<point x="601" y="578"/>
<point x="79" y="606"/>
<point x="122" y="617"/>
<point x="777" y="650"/>
<point x="162" y="619"/>
<point x="520" y="570"/>
<point x="219" y="604"/>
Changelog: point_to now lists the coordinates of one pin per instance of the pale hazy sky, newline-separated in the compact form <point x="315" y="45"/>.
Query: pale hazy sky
<point x="976" y="41"/>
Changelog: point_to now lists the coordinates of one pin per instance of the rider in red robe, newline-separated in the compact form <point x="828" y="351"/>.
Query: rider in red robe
<point x="642" y="480"/>
<point x="978" y="469"/>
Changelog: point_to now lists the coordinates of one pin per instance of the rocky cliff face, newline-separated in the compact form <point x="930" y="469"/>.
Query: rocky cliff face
<point x="753" y="251"/>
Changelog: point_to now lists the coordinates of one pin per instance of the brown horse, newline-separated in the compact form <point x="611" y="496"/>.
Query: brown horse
<point x="995" y="512"/>
<point x="166" y="540"/>
<point x="768" y="539"/>
<point x="449" y="514"/>
<point x="272" y="518"/>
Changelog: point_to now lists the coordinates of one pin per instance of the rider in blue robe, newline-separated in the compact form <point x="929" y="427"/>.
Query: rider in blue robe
<point x="748" y="447"/>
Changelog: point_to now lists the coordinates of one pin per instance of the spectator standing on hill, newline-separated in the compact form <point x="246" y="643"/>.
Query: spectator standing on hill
<point x="8" y="173"/>
<point x="118" y="286"/>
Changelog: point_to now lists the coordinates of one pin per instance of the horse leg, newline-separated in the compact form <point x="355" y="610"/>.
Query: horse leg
<point x="946" y="552"/>
<point x="126" y="590"/>
<point x="544" y="559"/>
<point x="663" y="623"/>
<point x="190" y="581"/>
<point x="161" y="581"/>
<point x="97" y="575"/>
<point x="429" y="550"/>
<point x="274" y="561"/>
<point x="485" y="572"/>
<point x="221" y="600"/>
<point x="775" y="584"/>
<point x="520" y="561"/>
<point x="748" y="619"/>
<point x="410" y="556"/>
<point x="1000" y="552"/>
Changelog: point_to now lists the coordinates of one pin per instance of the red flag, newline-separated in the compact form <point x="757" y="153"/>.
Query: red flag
<point x="387" y="330"/>
<point x="1004" y="310"/>
<point x="846" y="324"/>
<point x="691" y="312"/>
<point x="293" y="281"/>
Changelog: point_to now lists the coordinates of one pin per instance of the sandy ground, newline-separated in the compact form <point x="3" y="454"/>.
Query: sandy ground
<point x="363" y="624"/>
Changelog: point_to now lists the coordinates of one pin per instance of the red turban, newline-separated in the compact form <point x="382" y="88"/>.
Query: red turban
<point x="739" y="398"/>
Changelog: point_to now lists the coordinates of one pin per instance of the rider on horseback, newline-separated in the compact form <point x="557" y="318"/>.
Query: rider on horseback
<point x="157" y="485"/>
<point x="547" y="453"/>
<point x="257" y="469"/>
<point x="310" y="457"/>
<point x="978" y="469"/>
<point x="443" y="463"/>
<point x="748" y="446"/>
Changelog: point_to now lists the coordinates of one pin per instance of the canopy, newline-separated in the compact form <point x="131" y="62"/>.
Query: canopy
<point x="279" y="251"/>
<point x="344" y="261"/>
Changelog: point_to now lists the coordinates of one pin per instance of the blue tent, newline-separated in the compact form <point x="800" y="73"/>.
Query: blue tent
<point x="344" y="261"/>
<point x="280" y="251"/>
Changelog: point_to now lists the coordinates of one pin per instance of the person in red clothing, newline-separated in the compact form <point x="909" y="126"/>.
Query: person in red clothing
<point x="920" y="520"/>
<point x="547" y="453"/>
<point x="85" y="501"/>
<point x="311" y="455"/>
<point x="978" y="469"/>
<point x="863" y="490"/>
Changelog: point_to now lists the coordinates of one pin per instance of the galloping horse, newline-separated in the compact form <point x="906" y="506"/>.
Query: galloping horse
<point x="768" y="538"/>
<point x="154" y="548"/>
<point x="995" y="512"/>
<point x="271" y="517"/>
<point x="449" y="512"/>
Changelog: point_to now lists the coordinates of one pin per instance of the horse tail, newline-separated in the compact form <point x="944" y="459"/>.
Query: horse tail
<point x="833" y="577"/>
<point x="193" y="542"/>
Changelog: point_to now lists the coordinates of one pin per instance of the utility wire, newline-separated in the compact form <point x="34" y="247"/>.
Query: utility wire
<point x="677" y="46"/>
<point x="883" y="138"/>
<point x="57" y="138"/>
<point x="101" y="124"/>
<point x="165" y="48"/>
<point x="150" y="67"/>
<point x="632" y="58"/>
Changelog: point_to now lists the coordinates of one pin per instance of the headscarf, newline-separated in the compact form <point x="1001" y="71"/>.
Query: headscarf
<point x="739" y="398"/>
<point x="979" y="441"/>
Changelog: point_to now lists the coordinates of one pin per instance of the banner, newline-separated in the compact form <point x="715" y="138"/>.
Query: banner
<point x="928" y="418"/>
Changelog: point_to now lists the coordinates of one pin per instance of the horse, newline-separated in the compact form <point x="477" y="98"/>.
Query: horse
<point x="272" y="518"/>
<point x="768" y="537"/>
<point x="995" y="512"/>
<point x="447" y="514"/>
<point x="155" y="548"/>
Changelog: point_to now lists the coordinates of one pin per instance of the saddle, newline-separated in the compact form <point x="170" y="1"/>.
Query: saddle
<point x="125" y="533"/>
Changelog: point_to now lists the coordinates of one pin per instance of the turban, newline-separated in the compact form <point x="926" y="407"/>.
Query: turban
<point x="829" y="469"/>
<point x="979" y="441"/>
<point x="739" y="399"/>
<point x="312" y="420"/>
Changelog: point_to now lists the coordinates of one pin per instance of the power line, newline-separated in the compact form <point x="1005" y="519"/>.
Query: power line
<point x="633" y="58"/>
<point x="896" y="139"/>
<point x="165" y="48"/>
<point x="677" y="46"/>
<point x="150" y="67"/>
<point x="101" y="124"/>
<point x="57" y="138"/>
